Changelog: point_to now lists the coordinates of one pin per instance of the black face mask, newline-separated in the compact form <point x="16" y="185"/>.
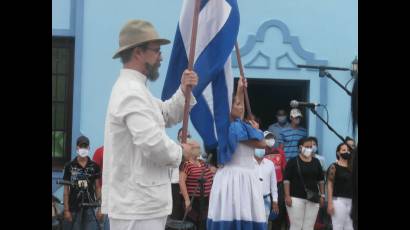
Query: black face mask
<point x="345" y="156"/>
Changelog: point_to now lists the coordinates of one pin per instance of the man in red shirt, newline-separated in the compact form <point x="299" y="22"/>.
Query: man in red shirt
<point x="98" y="159"/>
<point x="277" y="156"/>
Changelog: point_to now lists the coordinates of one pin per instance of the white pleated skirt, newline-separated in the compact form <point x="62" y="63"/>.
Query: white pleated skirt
<point x="236" y="200"/>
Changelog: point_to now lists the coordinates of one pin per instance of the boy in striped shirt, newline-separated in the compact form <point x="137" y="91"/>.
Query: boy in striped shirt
<point x="289" y="137"/>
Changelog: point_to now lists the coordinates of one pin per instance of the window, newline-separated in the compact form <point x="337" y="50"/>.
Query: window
<point x="62" y="88"/>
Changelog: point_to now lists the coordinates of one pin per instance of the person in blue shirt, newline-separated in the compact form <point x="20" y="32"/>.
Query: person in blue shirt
<point x="290" y="136"/>
<point x="276" y="128"/>
<point x="236" y="198"/>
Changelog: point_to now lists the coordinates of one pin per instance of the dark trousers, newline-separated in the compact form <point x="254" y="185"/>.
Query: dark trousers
<point x="177" y="204"/>
<point x="198" y="214"/>
<point x="84" y="220"/>
<point x="281" y="219"/>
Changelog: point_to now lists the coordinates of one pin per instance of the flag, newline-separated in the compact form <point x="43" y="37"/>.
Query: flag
<point x="218" y="26"/>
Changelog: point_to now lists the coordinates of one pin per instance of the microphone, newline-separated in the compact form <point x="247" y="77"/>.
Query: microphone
<point x="65" y="182"/>
<point x="295" y="104"/>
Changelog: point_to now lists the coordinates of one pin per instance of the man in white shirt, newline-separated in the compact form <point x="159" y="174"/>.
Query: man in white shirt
<point x="136" y="189"/>
<point x="265" y="170"/>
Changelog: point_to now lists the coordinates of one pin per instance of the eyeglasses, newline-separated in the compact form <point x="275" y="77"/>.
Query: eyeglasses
<point x="156" y="50"/>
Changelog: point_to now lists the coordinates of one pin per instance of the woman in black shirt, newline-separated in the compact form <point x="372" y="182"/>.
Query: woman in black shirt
<point x="339" y="189"/>
<point x="301" y="211"/>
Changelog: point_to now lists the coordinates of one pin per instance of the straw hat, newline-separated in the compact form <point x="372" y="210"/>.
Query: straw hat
<point x="137" y="32"/>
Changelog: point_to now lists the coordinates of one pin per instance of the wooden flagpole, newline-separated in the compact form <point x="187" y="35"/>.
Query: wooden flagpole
<point x="247" y="104"/>
<point x="190" y="67"/>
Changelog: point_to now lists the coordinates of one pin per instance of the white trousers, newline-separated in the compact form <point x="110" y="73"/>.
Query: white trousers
<point x="151" y="224"/>
<point x="302" y="214"/>
<point x="341" y="219"/>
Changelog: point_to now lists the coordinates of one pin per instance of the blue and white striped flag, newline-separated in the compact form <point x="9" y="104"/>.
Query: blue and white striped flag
<point x="218" y="26"/>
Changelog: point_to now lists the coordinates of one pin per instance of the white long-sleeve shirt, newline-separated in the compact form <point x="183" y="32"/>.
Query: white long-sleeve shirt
<point x="137" y="151"/>
<point x="174" y="172"/>
<point x="266" y="171"/>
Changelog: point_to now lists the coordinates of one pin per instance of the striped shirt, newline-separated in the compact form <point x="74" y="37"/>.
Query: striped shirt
<point x="275" y="129"/>
<point x="290" y="137"/>
<point x="193" y="173"/>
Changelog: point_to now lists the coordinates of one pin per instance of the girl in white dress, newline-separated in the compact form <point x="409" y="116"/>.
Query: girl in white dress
<point x="236" y="199"/>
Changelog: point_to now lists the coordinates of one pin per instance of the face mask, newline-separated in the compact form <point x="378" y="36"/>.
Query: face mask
<point x="314" y="149"/>
<point x="153" y="73"/>
<point x="270" y="142"/>
<point x="83" y="152"/>
<point x="307" y="151"/>
<point x="281" y="119"/>
<point x="259" y="153"/>
<point x="345" y="155"/>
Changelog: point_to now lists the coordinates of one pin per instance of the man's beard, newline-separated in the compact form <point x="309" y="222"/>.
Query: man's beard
<point x="152" y="71"/>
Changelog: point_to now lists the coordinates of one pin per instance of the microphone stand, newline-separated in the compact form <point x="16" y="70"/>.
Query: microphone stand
<point x="324" y="73"/>
<point x="327" y="124"/>
<point x="331" y="129"/>
<point x="82" y="193"/>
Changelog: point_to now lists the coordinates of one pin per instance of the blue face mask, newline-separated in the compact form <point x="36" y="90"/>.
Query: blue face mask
<point x="259" y="153"/>
<point x="281" y="119"/>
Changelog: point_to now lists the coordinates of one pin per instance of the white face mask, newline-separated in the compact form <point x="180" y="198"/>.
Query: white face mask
<point x="307" y="151"/>
<point x="270" y="142"/>
<point x="314" y="149"/>
<point x="83" y="152"/>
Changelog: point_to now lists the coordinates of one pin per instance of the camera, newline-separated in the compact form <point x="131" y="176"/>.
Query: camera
<point x="81" y="181"/>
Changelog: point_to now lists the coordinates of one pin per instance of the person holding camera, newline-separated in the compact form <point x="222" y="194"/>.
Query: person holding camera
<point x="83" y="174"/>
<point x="303" y="180"/>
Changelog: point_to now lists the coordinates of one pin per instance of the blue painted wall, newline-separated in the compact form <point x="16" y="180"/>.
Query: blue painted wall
<point x="327" y="30"/>
<point x="67" y="21"/>
<point x="61" y="14"/>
